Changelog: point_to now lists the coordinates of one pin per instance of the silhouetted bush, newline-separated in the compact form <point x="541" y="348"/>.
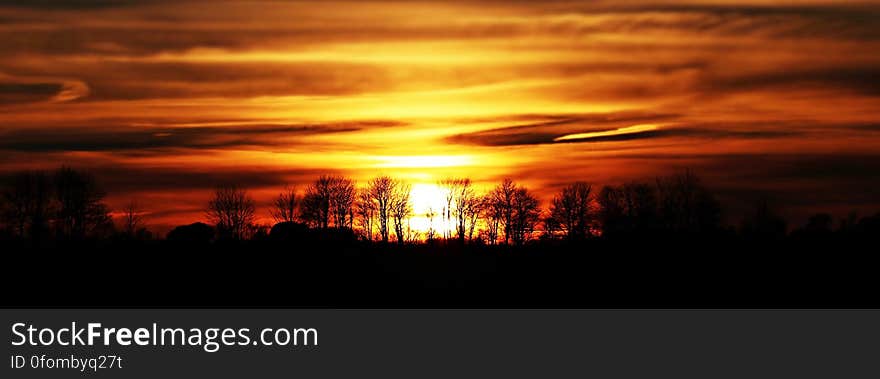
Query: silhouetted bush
<point x="195" y="233"/>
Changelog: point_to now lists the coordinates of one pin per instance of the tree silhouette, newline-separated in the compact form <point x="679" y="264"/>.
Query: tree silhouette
<point x="641" y="204"/>
<point x="286" y="205"/>
<point x="80" y="210"/>
<point x="365" y="209"/>
<point x="687" y="206"/>
<point x="316" y="202"/>
<point x="132" y="220"/>
<point x="462" y="205"/>
<point x="381" y="193"/>
<point x="526" y="215"/>
<point x="329" y="199"/>
<point x="493" y="212"/>
<point x="627" y="209"/>
<point x="232" y="210"/>
<point x="69" y="203"/>
<point x="311" y="211"/>
<point x="572" y="210"/>
<point x="27" y="199"/>
<point x="612" y="210"/>
<point x="401" y="209"/>
<point x="473" y="214"/>
<point x="342" y="199"/>
<point x="501" y="200"/>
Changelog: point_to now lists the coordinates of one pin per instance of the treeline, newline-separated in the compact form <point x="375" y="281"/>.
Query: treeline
<point x="64" y="205"/>
<point x="67" y="205"/>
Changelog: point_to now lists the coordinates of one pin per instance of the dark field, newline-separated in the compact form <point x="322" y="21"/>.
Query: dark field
<point x="601" y="273"/>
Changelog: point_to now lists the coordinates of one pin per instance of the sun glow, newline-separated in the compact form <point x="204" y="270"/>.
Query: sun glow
<point x="427" y="197"/>
<point x="423" y="161"/>
<point x="429" y="203"/>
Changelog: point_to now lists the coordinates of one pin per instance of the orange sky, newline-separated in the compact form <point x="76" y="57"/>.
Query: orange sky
<point x="165" y="100"/>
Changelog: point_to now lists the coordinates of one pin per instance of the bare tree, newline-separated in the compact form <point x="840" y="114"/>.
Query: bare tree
<point x="631" y="207"/>
<point x="80" y="210"/>
<point x="310" y="210"/>
<point x="401" y="210"/>
<point x="526" y="213"/>
<point x="381" y="192"/>
<point x="28" y="204"/>
<point x="329" y="200"/>
<point x="316" y="209"/>
<point x="501" y="202"/>
<point x="233" y="212"/>
<point x="342" y="199"/>
<point x="572" y="210"/>
<point x="462" y="203"/>
<point x="365" y="208"/>
<point x="493" y="213"/>
<point x="132" y="219"/>
<point x="286" y="205"/>
<point x="686" y="205"/>
<point x="473" y="214"/>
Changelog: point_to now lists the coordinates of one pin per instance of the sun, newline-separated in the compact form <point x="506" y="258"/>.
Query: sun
<point x="429" y="203"/>
<point x="427" y="197"/>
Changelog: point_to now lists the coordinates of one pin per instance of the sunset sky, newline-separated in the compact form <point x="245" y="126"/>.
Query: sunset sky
<point x="164" y="100"/>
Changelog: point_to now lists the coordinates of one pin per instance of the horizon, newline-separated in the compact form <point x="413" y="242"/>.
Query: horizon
<point x="164" y="101"/>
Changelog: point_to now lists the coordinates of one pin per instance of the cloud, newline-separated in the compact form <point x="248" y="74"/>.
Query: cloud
<point x="74" y="4"/>
<point x="541" y="129"/>
<point x="12" y="93"/>
<point x="150" y="80"/>
<point x="143" y="28"/>
<point x="145" y="179"/>
<point x="20" y="92"/>
<point x="139" y="138"/>
<point x="657" y="50"/>
<point x="850" y="77"/>
<point x="621" y="127"/>
<point x="121" y="181"/>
